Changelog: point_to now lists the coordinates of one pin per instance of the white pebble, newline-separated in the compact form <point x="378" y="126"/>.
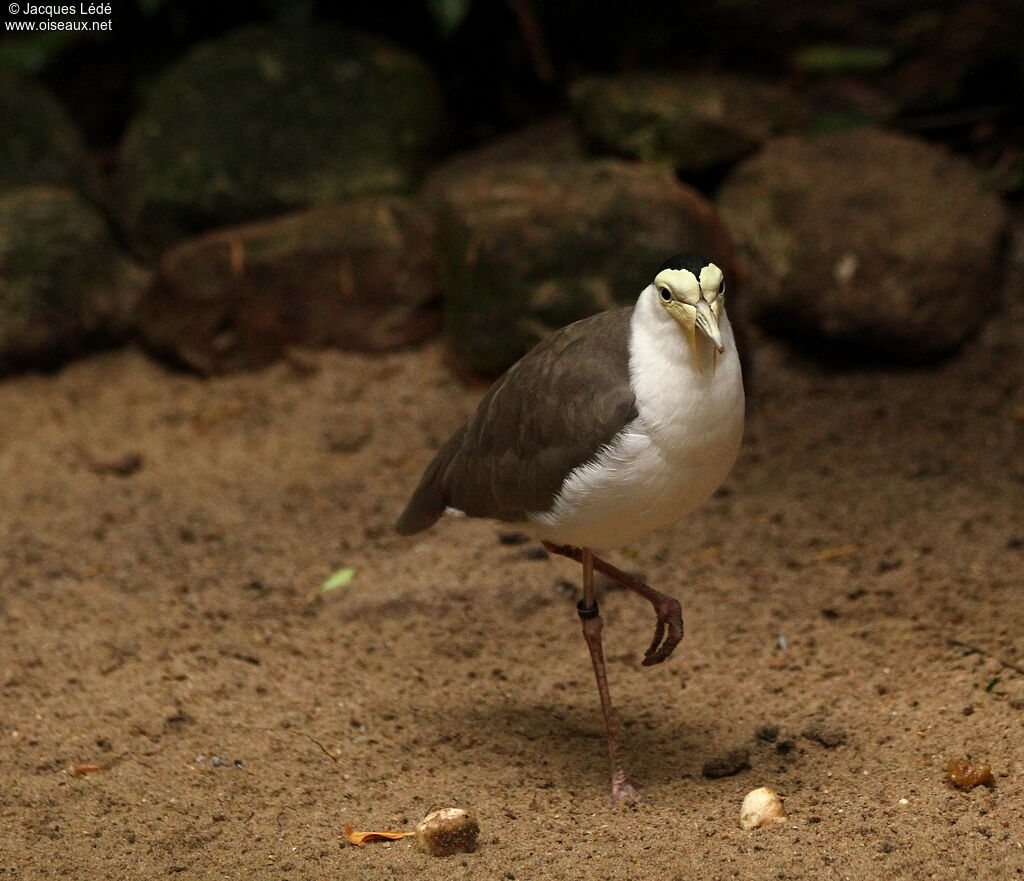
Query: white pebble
<point x="447" y="831"/>
<point x="761" y="807"/>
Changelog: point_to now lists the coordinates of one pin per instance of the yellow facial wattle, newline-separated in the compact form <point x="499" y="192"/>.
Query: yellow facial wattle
<point x="694" y="303"/>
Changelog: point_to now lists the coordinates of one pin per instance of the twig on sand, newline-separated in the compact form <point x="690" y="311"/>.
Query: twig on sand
<point x="323" y="748"/>
<point x="1017" y="668"/>
<point x="308" y="737"/>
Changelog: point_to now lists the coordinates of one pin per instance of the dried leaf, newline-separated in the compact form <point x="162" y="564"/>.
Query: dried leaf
<point x="835" y="553"/>
<point x="338" y="579"/>
<point x="967" y="774"/>
<point x="708" y="555"/>
<point x="82" y="770"/>
<point x="360" y="838"/>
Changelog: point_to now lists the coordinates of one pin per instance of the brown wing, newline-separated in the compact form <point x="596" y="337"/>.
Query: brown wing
<point x="551" y="412"/>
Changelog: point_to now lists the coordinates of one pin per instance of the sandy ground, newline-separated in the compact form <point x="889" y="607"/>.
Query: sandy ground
<point x="852" y="597"/>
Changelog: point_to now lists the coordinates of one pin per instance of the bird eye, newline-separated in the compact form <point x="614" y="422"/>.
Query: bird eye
<point x="721" y="288"/>
<point x="666" y="295"/>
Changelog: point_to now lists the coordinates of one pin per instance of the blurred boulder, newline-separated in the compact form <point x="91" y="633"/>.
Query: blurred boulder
<point x="968" y="55"/>
<point x="868" y="239"/>
<point x="64" y="283"/>
<point x="552" y="139"/>
<point x="359" y="275"/>
<point x="529" y="247"/>
<point x="693" y="122"/>
<point x="40" y="144"/>
<point x="266" y="119"/>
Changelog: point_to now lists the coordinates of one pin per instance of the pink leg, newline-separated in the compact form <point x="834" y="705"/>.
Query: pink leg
<point x="623" y="788"/>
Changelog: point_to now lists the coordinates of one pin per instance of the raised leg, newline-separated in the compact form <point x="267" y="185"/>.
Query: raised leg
<point x="668" y="630"/>
<point x="623" y="788"/>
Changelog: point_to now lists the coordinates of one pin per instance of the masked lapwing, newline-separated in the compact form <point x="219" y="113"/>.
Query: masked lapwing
<point x="611" y="427"/>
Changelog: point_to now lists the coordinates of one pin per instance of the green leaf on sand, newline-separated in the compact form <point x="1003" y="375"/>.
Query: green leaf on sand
<point x="338" y="579"/>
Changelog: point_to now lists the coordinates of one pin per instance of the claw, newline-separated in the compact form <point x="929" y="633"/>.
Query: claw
<point x="668" y="610"/>
<point x="670" y="615"/>
<point x="659" y="633"/>
<point x="626" y="791"/>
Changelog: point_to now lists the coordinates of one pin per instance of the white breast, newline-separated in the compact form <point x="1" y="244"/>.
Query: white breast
<point x="669" y="459"/>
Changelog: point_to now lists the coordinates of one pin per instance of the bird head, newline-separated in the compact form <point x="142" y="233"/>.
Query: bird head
<point x="692" y="291"/>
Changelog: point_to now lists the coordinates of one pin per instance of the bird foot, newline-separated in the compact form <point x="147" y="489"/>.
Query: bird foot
<point x="667" y="632"/>
<point x="626" y="791"/>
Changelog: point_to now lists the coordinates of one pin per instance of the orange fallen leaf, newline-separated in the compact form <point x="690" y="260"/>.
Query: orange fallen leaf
<point x="82" y="770"/>
<point x="360" y="838"/>
<point x="708" y="555"/>
<point x="835" y="553"/>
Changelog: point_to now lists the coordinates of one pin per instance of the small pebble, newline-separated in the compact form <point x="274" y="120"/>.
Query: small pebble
<point x="513" y="538"/>
<point x="761" y="807"/>
<point x="347" y="435"/>
<point x="732" y="762"/>
<point x="826" y="735"/>
<point x="967" y="774"/>
<point x="446" y="831"/>
<point x="123" y="466"/>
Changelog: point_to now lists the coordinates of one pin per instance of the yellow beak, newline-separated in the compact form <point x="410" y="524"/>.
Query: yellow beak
<point x="707" y="322"/>
<point x="689" y="318"/>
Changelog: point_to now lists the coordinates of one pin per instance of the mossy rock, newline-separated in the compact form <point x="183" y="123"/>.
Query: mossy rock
<point x="881" y="244"/>
<point x="64" y="283"/>
<point x="693" y="122"/>
<point x="40" y="144"/>
<point x="555" y="139"/>
<point x="529" y="247"/>
<point x="265" y="120"/>
<point x="360" y="275"/>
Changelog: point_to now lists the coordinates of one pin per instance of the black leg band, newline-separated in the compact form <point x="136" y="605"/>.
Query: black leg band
<point x="585" y="613"/>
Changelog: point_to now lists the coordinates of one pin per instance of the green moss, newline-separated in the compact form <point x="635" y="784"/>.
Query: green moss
<point x="265" y="120"/>
<point x="40" y="144"/>
<point x="63" y="281"/>
<point x="691" y="122"/>
<point x="529" y="247"/>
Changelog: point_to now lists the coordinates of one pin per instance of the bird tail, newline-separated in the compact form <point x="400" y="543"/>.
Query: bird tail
<point x="421" y="513"/>
<point x="428" y="501"/>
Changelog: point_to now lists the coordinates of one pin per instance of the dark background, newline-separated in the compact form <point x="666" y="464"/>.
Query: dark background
<point x="943" y="72"/>
<point x="956" y="69"/>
